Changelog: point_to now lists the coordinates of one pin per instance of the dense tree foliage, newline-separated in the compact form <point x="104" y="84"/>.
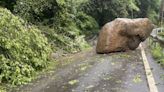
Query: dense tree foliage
<point x="9" y="4"/>
<point x="36" y="11"/>
<point x="149" y="8"/>
<point x="23" y="49"/>
<point x="106" y="10"/>
<point x="60" y="21"/>
<point x="161" y="11"/>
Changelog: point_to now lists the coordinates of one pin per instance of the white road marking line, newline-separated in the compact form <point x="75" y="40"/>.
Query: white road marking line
<point x="149" y="74"/>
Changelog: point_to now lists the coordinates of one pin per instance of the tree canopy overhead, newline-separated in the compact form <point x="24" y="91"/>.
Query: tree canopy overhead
<point x="106" y="10"/>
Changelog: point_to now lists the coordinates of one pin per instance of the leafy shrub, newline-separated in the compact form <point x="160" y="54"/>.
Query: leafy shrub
<point x="58" y="19"/>
<point x="69" y="39"/>
<point x="87" y="24"/>
<point x="36" y="11"/>
<point x="2" y="89"/>
<point x="162" y="62"/>
<point x="23" y="49"/>
<point x="161" y="34"/>
<point x="157" y="52"/>
<point x="68" y="35"/>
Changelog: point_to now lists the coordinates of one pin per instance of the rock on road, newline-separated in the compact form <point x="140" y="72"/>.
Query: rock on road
<point x="116" y="72"/>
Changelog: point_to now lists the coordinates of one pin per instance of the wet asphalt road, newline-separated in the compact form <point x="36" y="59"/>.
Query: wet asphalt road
<point x="157" y="70"/>
<point x="116" y="72"/>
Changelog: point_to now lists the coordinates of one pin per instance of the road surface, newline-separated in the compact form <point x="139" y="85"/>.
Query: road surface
<point x="91" y="72"/>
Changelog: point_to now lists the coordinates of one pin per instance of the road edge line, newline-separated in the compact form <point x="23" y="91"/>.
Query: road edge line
<point x="149" y="74"/>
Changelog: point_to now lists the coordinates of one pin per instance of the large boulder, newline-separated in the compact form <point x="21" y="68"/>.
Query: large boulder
<point x="123" y="34"/>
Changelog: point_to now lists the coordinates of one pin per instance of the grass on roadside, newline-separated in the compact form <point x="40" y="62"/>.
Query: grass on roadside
<point x="157" y="52"/>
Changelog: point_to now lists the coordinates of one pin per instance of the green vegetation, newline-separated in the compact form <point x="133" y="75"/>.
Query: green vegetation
<point x="161" y="34"/>
<point x="23" y="49"/>
<point x="107" y="10"/>
<point x="43" y="26"/>
<point x="64" y="26"/>
<point x="2" y="89"/>
<point x="158" y="54"/>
